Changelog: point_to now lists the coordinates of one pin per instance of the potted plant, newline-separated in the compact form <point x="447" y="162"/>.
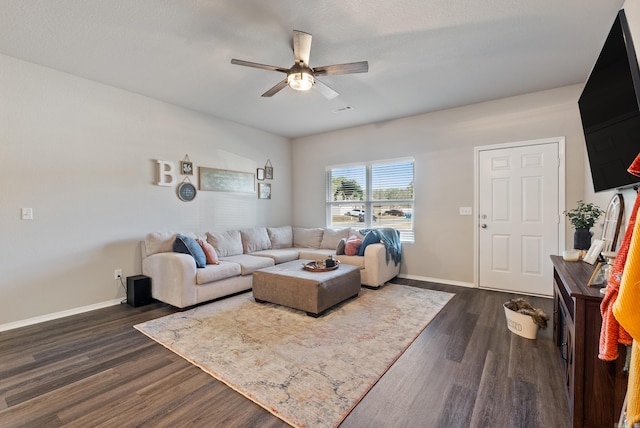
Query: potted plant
<point x="583" y="217"/>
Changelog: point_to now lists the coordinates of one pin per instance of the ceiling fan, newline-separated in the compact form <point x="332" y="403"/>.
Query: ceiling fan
<point x="301" y="76"/>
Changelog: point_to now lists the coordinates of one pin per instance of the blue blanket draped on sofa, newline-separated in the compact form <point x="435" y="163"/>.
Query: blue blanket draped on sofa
<point x="391" y="239"/>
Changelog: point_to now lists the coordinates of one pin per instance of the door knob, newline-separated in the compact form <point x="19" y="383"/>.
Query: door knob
<point x="484" y="226"/>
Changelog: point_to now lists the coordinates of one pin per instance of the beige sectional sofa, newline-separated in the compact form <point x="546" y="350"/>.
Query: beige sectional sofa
<point x="177" y="281"/>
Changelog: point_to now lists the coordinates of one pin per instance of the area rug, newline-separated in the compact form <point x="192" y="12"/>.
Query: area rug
<point x="309" y="372"/>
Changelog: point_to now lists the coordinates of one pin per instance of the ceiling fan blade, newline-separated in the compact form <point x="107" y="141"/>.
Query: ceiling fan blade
<point x="277" y="88"/>
<point x="301" y="46"/>
<point x="349" y="68"/>
<point x="326" y="91"/>
<point x="257" y="65"/>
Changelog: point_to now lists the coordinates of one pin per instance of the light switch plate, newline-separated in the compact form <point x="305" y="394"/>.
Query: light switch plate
<point x="466" y="211"/>
<point x="26" y="214"/>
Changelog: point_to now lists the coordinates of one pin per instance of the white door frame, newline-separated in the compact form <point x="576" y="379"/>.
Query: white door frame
<point x="476" y="193"/>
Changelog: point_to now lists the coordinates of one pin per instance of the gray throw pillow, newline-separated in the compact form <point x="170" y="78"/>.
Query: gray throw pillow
<point x="307" y="237"/>
<point x="280" y="237"/>
<point x="331" y="237"/>
<point x="340" y="247"/>
<point x="255" y="239"/>
<point x="227" y="243"/>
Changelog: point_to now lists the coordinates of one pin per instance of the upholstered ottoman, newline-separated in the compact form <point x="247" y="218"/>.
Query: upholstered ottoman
<point x="288" y="284"/>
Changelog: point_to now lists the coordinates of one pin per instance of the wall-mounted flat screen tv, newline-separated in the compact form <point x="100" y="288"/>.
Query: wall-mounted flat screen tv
<point x="610" y="110"/>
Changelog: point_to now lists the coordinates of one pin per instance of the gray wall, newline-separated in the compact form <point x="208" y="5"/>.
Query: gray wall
<point x="81" y="155"/>
<point x="442" y="144"/>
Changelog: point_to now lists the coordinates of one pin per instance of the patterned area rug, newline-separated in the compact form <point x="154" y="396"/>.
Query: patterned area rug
<point x="309" y="372"/>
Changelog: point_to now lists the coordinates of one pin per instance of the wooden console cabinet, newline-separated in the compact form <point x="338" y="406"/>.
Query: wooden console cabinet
<point x="595" y="388"/>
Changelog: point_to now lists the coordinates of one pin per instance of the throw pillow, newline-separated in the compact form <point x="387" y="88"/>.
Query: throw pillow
<point x="331" y="237"/>
<point x="159" y="242"/>
<point x="227" y="243"/>
<point x="307" y="237"/>
<point x="340" y="248"/>
<point x="356" y="232"/>
<point x="209" y="252"/>
<point x="186" y="245"/>
<point x="255" y="239"/>
<point x="372" y="237"/>
<point x="352" y="246"/>
<point x="281" y="237"/>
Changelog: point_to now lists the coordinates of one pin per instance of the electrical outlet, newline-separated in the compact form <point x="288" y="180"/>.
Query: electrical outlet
<point x="117" y="274"/>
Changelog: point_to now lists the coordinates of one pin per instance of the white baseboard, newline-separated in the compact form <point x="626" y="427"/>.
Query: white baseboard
<point x="56" y="315"/>
<point x="438" y="280"/>
<point x="74" y="311"/>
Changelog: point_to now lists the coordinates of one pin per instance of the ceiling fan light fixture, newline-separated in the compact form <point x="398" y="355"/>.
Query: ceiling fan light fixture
<point x="301" y="81"/>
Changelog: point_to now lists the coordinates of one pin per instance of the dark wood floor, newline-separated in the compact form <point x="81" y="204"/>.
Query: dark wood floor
<point x="465" y="370"/>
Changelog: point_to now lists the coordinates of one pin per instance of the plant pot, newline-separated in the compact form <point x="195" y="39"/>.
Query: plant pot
<point x="582" y="239"/>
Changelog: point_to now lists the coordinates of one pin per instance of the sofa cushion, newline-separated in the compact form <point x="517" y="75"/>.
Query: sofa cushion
<point x="279" y="255"/>
<point x="209" y="252"/>
<point x="187" y="245"/>
<point x="352" y="246"/>
<point x="255" y="239"/>
<point x="340" y="247"/>
<point x="372" y="237"/>
<point x="227" y="243"/>
<point x="351" y="260"/>
<point x="159" y="242"/>
<point x="315" y="253"/>
<point x="162" y="242"/>
<point x="331" y="237"/>
<point x="250" y="263"/>
<point x="307" y="237"/>
<point x="356" y="232"/>
<point x="223" y="270"/>
<point x="280" y="237"/>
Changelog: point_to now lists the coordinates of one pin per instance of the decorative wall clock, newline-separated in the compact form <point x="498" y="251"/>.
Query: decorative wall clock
<point x="186" y="191"/>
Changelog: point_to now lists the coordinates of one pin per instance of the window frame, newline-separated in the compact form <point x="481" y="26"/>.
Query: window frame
<point x="368" y="201"/>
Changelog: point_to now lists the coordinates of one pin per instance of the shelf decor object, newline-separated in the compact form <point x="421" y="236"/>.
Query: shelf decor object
<point x="268" y="170"/>
<point x="222" y="180"/>
<point x="264" y="191"/>
<point x="315" y="266"/>
<point x="583" y="217"/>
<point x="613" y="219"/>
<point x="186" y="190"/>
<point x="186" y="166"/>
<point x="594" y="251"/>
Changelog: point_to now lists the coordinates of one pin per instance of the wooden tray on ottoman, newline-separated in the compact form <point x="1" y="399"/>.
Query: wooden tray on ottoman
<point x="313" y="267"/>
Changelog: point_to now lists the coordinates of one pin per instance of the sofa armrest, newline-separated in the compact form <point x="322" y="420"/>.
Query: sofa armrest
<point x="378" y="271"/>
<point x="173" y="278"/>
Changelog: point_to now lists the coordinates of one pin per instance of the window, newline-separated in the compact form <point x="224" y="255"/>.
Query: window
<point x="372" y="195"/>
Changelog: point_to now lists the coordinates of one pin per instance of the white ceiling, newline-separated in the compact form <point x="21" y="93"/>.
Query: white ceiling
<point x="424" y="55"/>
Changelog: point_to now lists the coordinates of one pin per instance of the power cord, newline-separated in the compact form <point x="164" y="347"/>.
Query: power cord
<point x="125" y="290"/>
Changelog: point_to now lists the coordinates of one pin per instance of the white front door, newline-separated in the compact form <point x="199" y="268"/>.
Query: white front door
<point x="519" y="218"/>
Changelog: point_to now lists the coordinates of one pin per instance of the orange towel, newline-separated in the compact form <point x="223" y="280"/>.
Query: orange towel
<point x="611" y="332"/>
<point x="625" y="309"/>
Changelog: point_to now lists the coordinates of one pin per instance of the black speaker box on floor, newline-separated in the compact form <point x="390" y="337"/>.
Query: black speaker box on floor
<point x="139" y="290"/>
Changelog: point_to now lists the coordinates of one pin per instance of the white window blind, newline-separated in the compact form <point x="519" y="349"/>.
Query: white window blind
<point x="372" y="195"/>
